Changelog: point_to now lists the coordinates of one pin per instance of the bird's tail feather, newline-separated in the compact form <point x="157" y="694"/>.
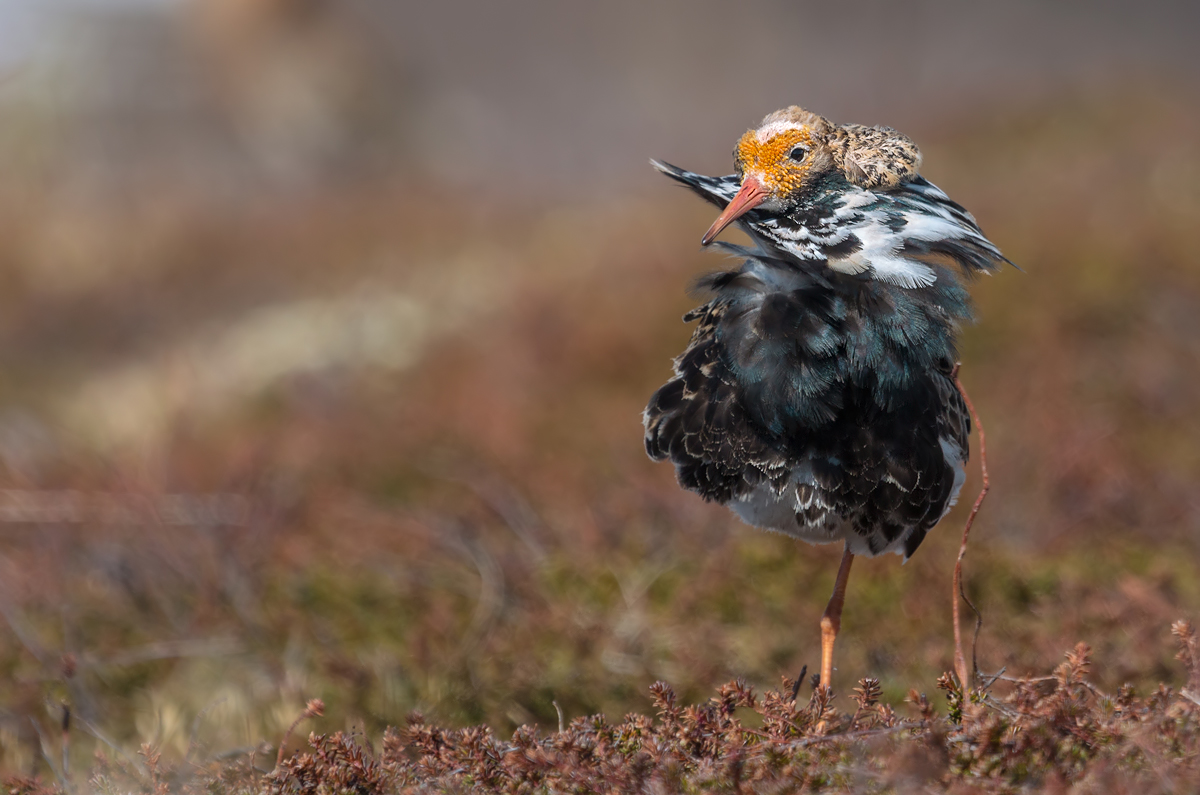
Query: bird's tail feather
<point x="718" y="190"/>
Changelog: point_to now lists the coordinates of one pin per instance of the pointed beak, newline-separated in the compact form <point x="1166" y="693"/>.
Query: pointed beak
<point x="750" y="196"/>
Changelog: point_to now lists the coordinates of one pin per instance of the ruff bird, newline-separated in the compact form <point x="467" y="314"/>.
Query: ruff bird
<point x="817" y="396"/>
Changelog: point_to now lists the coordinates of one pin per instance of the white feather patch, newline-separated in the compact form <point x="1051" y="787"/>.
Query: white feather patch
<point x="954" y="457"/>
<point x="878" y="253"/>
<point x="769" y="131"/>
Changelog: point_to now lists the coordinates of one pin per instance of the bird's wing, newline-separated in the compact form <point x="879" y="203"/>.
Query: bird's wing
<point x="697" y="420"/>
<point x="935" y="223"/>
<point x="908" y="235"/>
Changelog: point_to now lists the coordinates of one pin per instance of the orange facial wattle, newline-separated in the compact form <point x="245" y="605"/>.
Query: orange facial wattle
<point x="768" y="171"/>
<point x="771" y="160"/>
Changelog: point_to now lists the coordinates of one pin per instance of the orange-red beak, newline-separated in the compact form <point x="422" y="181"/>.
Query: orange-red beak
<point x="750" y="196"/>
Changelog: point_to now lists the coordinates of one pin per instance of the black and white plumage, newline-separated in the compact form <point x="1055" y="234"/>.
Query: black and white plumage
<point x="817" y="394"/>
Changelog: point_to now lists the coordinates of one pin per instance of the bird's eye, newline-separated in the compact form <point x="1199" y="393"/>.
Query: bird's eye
<point x="799" y="153"/>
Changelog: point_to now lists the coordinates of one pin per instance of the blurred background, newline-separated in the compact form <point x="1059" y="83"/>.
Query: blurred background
<point x="326" y="326"/>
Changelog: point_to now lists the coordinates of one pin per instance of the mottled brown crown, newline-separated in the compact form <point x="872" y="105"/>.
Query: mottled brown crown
<point x="794" y="115"/>
<point x="875" y="158"/>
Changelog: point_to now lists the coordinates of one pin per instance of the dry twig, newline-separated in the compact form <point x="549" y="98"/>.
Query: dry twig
<point x="314" y="709"/>
<point x="960" y="663"/>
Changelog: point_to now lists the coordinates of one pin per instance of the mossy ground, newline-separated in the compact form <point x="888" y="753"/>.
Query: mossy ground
<point x="473" y="532"/>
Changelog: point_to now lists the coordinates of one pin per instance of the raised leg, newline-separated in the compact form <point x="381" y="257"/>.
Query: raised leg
<point x="831" y="622"/>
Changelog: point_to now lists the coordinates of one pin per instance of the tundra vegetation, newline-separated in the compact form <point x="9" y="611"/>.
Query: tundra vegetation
<point x="336" y="491"/>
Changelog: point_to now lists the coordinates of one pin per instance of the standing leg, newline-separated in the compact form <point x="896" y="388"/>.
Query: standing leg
<point x="831" y="622"/>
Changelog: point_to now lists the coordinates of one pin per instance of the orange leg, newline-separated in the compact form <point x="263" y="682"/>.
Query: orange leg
<point x="831" y="622"/>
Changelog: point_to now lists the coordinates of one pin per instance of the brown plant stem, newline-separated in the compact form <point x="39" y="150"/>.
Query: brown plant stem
<point x="960" y="662"/>
<point x="66" y="743"/>
<point x="314" y="709"/>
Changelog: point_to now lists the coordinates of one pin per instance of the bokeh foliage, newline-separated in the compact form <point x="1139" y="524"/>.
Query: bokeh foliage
<point x="434" y="420"/>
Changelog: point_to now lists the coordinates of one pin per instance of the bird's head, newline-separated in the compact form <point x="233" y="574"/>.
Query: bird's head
<point x="781" y="160"/>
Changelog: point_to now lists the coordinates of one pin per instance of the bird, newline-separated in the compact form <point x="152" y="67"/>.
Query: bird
<point x="818" y="395"/>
